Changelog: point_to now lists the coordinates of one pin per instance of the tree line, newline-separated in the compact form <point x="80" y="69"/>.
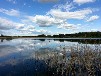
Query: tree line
<point x="75" y="35"/>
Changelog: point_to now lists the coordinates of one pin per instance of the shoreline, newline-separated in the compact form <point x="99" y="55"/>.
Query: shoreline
<point x="46" y="38"/>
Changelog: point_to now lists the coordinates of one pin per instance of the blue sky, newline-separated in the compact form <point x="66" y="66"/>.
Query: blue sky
<point x="33" y="17"/>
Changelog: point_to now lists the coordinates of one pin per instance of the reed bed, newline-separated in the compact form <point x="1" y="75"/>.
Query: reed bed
<point x="79" y="60"/>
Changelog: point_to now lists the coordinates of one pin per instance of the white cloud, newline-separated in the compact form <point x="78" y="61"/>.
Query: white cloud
<point x="58" y="17"/>
<point x="68" y="26"/>
<point x="92" y="18"/>
<point x="83" y="1"/>
<point x="34" y="31"/>
<point x="66" y="7"/>
<point x="45" y="21"/>
<point x="81" y="14"/>
<point x="93" y="30"/>
<point x="11" y="12"/>
<point x="6" y="24"/>
<point x="42" y="31"/>
<point x="28" y="28"/>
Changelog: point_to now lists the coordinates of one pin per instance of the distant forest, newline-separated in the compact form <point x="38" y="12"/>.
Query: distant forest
<point x="75" y="35"/>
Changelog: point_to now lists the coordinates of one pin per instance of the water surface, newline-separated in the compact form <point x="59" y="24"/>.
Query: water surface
<point x="26" y="56"/>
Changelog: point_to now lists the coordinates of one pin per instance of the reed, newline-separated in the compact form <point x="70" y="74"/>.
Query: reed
<point x="83" y="60"/>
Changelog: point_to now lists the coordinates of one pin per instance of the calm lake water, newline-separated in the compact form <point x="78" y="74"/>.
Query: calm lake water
<point x="28" y="57"/>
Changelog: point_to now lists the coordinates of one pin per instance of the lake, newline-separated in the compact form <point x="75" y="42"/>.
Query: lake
<point x="50" y="57"/>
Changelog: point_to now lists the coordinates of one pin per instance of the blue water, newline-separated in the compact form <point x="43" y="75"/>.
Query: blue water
<point x="17" y="56"/>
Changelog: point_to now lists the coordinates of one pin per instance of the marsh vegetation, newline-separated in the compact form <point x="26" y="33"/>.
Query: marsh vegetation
<point x="79" y="61"/>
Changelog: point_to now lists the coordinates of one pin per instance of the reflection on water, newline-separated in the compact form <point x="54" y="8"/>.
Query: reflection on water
<point x="2" y="40"/>
<point x="40" y="57"/>
<point x="8" y="39"/>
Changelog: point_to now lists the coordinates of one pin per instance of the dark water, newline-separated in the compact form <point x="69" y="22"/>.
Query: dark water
<point x="27" y="57"/>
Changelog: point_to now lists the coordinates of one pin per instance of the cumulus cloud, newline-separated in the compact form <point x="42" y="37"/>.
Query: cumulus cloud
<point x="42" y="31"/>
<point x="92" y="18"/>
<point x="34" y="31"/>
<point x="28" y="28"/>
<point x="68" y="26"/>
<point x="11" y="12"/>
<point x="83" y="1"/>
<point x="31" y="29"/>
<point x="80" y="14"/>
<point x="6" y="24"/>
<point x="65" y="7"/>
<point x="45" y="21"/>
<point x="58" y="17"/>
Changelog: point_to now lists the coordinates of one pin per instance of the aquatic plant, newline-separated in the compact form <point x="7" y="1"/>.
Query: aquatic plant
<point x="79" y="60"/>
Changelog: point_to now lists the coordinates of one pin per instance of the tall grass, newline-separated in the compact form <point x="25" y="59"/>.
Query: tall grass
<point x="79" y="60"/>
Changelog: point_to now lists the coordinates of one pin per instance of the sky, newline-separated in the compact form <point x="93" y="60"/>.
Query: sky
<point x="34" y="17"/>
